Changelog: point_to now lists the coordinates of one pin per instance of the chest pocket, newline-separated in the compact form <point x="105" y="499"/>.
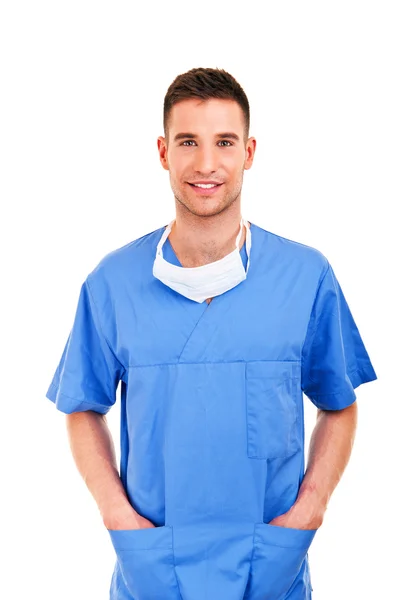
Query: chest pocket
<point x="272" y="398"/>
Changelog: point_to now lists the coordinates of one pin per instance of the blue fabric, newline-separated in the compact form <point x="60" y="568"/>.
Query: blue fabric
<point x="212" y="426"/>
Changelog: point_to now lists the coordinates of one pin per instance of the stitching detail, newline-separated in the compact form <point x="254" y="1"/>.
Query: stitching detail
<point x="297" y="547"/>
<point x="96" y="404"/>
<point x="322" y="277"/>
<point x="101" y="327"/>
<point x="211" y="362"/>
<point x="280" y="546"/>
<point x="288" y="239"/>
<point x="174" y="563"/>
<point x="251" y="561"/>
<point x="338" y="393"/>
<point x="246" y="409"/>
<point x="330" y="394"/>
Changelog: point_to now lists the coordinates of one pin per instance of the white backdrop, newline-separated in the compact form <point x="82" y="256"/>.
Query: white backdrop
<point x="82" y="87"/>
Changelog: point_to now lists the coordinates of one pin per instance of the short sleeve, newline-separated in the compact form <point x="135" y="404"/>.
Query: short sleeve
<point x="88" y="373"/>
<point x="334" y="358"/>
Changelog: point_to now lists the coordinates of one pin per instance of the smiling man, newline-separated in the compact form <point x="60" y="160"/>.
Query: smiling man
<point x="206" y="150"/>
<point x="215" y="328"/>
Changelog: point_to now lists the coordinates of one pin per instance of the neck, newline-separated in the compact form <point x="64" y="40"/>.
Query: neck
<point x="200" y="240"/>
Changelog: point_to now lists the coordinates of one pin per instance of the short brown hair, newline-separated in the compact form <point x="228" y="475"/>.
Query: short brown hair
<point x="205" y="84"/>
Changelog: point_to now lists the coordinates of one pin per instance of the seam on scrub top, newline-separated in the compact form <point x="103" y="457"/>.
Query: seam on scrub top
<point x="252" y="555"/>
<point x="337" y="393"/>
<point x="101" y="327"/>
<point x="285" y="547"/>
<point x="289" y="239"/>
<point x="354" y="371"/>
<point x="330" y="394"/>
<point x="192" y="332"/>
<point x="322" y="277"/>
<point x="362" y="370"/>
<point x="213" y="362"/>
<point x="84" y="401"/>
<point x="174" y="564"/>
<point x="53" y="385"/>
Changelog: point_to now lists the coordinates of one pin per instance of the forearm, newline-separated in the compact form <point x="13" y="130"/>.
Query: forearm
<point x="94" y="454"/>
<point x="330" y="448"/>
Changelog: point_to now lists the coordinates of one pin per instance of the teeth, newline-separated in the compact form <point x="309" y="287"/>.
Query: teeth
<point x="205" y="185"/>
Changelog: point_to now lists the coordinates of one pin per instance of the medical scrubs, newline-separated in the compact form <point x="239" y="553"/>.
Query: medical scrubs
<point x="212" y="420"/>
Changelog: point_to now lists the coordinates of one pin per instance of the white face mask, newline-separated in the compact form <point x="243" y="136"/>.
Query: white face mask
<point x="206" y="281"/>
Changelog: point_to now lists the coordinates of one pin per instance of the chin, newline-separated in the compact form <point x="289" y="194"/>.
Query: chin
<point x="205" y="207"/>
<point x="210" y="211"/>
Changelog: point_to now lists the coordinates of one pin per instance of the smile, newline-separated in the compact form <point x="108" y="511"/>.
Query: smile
<point x="205" y="188"/>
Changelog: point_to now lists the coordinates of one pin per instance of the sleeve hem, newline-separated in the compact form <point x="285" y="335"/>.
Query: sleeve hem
<point x="362" y="375"/>
<point x="70" y="405"/>
<point x="334" y="401"/>
<point x="339" y="400"/>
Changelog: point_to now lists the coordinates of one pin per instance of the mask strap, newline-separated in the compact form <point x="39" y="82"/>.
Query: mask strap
<point x="239" y="233"/>
<point x="248" y="243"/>
<point x="163" y="238"/>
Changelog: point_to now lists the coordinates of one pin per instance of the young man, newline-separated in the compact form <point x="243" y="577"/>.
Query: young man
<point x="215" y="328"/>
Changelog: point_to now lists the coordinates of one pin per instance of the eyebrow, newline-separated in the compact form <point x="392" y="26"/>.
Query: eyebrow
<point x="228" y="134"/>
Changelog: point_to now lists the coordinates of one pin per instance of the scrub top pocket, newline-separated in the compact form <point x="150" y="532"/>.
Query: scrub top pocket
<point x="272" y="389"/>
<point x="278" y="554"/>
<point x="146" y="561"/>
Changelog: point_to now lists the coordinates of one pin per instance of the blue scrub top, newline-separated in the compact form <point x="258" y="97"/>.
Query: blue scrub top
<point x="212" y="422"/>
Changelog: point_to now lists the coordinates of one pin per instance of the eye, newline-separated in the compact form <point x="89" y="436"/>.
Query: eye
<point x="188" y="142"/>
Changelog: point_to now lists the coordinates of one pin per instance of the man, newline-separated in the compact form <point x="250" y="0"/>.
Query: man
<point x="215" y="328"/>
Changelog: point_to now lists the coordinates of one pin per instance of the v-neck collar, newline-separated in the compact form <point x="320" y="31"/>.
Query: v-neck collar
<point x="202" y="307"/>
<point x="170" y="255"/>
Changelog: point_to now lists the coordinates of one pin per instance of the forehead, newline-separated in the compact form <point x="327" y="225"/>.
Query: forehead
<point x="198" y="116"/>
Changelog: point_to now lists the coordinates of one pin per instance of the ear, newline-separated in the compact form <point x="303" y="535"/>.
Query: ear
<point x="163" y="152"/>
<point x="250" y="152"/>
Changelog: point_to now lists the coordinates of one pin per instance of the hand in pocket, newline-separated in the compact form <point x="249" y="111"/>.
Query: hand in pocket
<point x="128" y="520"/>
<point x="297" y="517"/>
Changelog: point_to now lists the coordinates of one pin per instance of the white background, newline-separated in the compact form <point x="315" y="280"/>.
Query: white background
<point x="82" y="88"/>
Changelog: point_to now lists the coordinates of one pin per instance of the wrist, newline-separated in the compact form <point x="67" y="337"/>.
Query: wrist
<point x="120" y="508"/>
<point x="119" y="516"/>
<point x="311" y="493"/>
<point x="311" y="505"/>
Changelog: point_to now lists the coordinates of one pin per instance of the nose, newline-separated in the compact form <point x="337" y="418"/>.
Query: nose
<point x="206" y="160"/>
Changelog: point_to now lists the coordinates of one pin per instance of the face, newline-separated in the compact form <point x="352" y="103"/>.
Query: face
<point x="206" y="144"/>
